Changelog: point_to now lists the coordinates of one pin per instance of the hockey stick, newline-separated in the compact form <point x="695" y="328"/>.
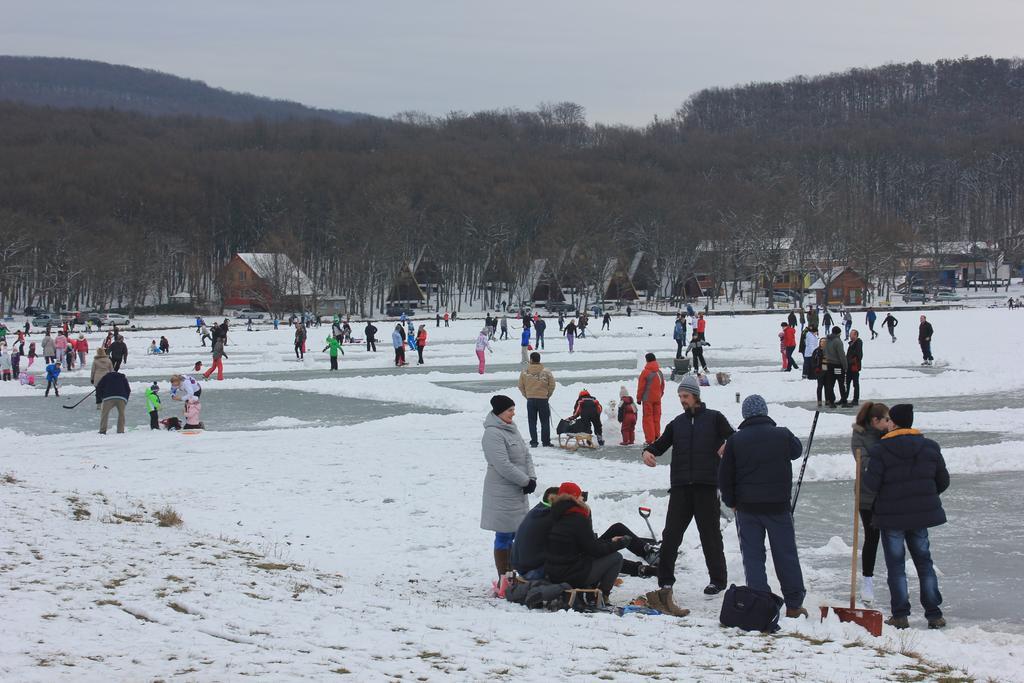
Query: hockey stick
<point x="803" y="468"/>
<point x="80" y="402"/>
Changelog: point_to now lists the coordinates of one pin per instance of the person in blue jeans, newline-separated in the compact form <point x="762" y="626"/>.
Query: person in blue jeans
<point x="907" y="473"/>
<point x="755" y="478"/>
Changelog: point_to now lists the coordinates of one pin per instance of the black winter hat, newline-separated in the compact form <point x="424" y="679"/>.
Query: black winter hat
<point x="500" y="403"/>
<point x="902" y="415"/>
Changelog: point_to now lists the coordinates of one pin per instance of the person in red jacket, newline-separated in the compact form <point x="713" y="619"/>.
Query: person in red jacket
<point x="789" y="345"/>
<point x="701" y="325"/>
<point x="649" y="390"/>
<point x="83" y="349"/>
<point x="627" y="417"/>
<point x="421" y="341"/>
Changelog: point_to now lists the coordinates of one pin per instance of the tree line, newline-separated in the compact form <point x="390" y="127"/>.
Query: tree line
<point x="102" y="207"/>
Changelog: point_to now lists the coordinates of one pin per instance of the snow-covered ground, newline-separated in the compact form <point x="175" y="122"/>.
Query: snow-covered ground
<point x="331" y="520"/>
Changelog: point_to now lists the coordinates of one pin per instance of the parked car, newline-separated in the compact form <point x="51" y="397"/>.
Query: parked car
<point x="915" y="295"/>
<point x="784" y="298"/>
<point x="946" y="295"/>
<point x="114" y="318"/>
<point x="560" y="307"/>
<point x="247" y="313"/>
<point x="44" y="319"/>
<point x="33" y="311"/>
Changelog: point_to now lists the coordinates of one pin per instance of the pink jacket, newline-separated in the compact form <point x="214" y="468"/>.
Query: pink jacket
<point x="61" y="343"/>
<point x="192" y="408"/>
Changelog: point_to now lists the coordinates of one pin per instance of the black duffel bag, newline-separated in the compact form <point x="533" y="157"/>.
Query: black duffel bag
<point x="751" y="610"/>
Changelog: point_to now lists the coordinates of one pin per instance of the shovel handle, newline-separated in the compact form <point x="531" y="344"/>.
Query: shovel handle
<point x="856" y="529"/>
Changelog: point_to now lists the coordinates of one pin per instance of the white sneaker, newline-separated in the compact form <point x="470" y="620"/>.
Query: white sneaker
<point x="867" y="590"/>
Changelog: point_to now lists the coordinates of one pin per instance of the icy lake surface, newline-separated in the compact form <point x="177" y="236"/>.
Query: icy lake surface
<point x="331" y="519"/>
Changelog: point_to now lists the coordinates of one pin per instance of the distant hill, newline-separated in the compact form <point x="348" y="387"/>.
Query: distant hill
<point x="79" y="83"/>
<point x="968" y="94"/>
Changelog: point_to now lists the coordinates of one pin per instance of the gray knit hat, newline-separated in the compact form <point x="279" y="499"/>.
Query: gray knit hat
<point x="690" y="385"/>
<point x="753" y="406"/>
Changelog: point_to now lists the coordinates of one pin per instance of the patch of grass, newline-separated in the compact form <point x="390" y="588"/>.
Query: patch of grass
<point x="116" y="583"/>
<point x="175" y="579"/>
<point x="119" y="517"/>
<point x="49" y="615"/>
<point x="255" y="596"/>
<point x="178" y="607"/>
<point x="9" y="478"/>
<point x="340" y="670"/>
<point x="167" y="516"/>
<point x="137" y="615"/>
<point x="272" y="566"/>
<point x="115" y="603"/>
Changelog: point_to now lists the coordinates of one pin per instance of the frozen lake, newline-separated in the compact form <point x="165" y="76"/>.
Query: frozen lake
<point x="331" y="519"/>
<point x="223" y="410"/>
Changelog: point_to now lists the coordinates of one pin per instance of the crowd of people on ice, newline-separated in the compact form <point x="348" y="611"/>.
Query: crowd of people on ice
<point x="749" y="469"/>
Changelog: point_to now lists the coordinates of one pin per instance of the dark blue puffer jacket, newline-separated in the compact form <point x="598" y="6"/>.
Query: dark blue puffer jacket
<point x="908" y="473"/>
<point x="113" y="385"/>
<point x="529" y="546"/>
<point x="756" y="473"/>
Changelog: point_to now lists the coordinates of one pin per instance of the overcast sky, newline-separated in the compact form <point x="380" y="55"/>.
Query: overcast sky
<point x="625" y="62"/>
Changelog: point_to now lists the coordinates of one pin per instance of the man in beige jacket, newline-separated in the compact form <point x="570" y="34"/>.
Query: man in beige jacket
<point x="537" y="384"/>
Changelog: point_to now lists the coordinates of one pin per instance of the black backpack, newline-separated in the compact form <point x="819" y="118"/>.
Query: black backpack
<point x="751" y="610"/>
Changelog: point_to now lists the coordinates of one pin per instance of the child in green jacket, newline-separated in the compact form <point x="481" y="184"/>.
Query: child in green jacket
<point x="334" y="344"/>
<point x="153" y="406"/>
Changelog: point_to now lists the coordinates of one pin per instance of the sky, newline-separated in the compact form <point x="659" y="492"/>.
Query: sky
<point x="624" y="62"/>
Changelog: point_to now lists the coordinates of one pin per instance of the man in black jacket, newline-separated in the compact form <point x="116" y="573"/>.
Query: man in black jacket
<point x="528" y="547"/>
<point x="113" y="391"/>
<point x="756" y="477"/>
<point x="370" y="331"/>
<point x="924" y="338"/>
<point x="908" y="473"/>
<point x="696" y="438"/>
<point x="854" y="361"/>
<point x="118" y="352"/>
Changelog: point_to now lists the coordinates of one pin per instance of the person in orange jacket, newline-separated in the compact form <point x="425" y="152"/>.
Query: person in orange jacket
<point x="649" y="390"/>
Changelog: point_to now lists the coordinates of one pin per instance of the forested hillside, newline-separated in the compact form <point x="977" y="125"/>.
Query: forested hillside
<point x="81" y="83"/>
<point x="103" y="205"/>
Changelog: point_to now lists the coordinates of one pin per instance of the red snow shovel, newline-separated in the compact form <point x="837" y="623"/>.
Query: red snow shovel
<point x="870" y="619"/>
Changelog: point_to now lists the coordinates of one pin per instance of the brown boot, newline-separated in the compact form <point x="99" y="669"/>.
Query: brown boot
<point x="661" y="600"/>
<point x="796" y="612"/>
<point x="501" y="562"/>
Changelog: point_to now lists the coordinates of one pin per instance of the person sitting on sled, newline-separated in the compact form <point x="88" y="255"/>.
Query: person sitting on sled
<point x="529" y="548"/>
<point x="574" y="554"/>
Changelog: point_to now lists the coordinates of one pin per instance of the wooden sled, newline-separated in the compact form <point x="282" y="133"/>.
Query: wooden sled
<point x="576" y="592"/>
<point x="573" y="442"/>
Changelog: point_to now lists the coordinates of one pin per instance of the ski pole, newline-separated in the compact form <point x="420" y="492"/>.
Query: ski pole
<point x="803" y="468"/>
<point x="80" y="402"/>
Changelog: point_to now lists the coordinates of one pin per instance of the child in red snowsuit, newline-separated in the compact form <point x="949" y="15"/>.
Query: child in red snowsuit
<point x="627" y="417"/>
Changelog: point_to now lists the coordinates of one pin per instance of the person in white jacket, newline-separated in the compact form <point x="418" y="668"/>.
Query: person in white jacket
<point x="810" y="344"/>
<point x="482" y="344"/>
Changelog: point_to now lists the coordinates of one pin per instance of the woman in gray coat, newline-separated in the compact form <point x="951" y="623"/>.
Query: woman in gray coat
<point x="871" y="424"/>
<point x="510" y="478"/>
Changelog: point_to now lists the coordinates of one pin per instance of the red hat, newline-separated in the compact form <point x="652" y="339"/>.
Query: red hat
<point x="572" y="489"/>
<point x="584" y="393"/>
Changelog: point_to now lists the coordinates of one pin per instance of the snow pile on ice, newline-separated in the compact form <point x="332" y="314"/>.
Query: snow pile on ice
<point x="283" y="422"/>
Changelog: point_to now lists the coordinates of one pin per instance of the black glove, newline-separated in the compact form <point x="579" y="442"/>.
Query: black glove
<point x="531" y="487"/>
